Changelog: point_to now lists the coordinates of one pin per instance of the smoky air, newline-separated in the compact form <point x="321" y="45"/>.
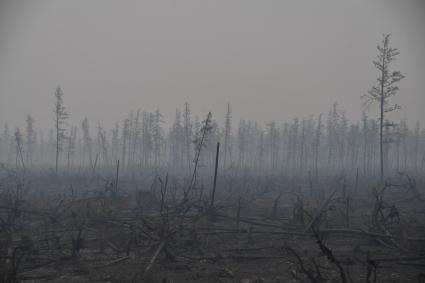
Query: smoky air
<point x="212" y="141"/>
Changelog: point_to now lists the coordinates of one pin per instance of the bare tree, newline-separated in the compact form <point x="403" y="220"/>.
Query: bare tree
<point x="241" y="138"/>
<point x="176" y="140"/>
<point x="102" y="144"/>
<point x="146" y="146"/>
<point x="125" y="139"/>
<point x="302" y="143"/>
<point x="30" y="139"/>
<point x="135" y="137"/>
<point x="416" y="146"/>
<point x="115" y="142"/>
<point x="60" y="119"/>
<point x="158" y="137"/>
<point x="293" y="143"/>
<point x="85" y="127"/>
<point x="316" y="145"/>
<point x="19" y="150"/>
<point x="187" y="134"/>
<point x="227" y="133"/>
<point x="71" y="146"/>
<point x="272" y="136"/>
<point x="353" y="144"/>
<point x="199" y="141"/>
<point x="365" y="144"/>
<point x="383" y="89"/>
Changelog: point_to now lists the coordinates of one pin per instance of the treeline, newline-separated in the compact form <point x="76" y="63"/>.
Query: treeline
<point x="315" y="145"/>
<point x="304" y="145"/>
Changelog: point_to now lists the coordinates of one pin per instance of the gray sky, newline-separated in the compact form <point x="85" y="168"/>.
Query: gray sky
<point x="272" y="60"/>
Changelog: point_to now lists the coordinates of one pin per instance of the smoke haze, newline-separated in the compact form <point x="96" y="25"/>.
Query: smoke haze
<point x="272" y="60"/>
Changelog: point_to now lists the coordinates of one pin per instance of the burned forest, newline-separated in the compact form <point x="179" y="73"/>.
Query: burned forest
<point x="245" y="187"/>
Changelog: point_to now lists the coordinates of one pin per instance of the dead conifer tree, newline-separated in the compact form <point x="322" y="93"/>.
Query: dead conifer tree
<point x="199" y="141"/>
<point x="60" y="119"/>
<point x="383" y="89"/>
<point x="19" y="150"/>
<point x="85" y="127"/>
<point x="227" y="133"/>
<point x="30" y="139"/>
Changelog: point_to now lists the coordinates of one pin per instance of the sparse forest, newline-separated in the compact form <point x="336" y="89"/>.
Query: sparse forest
<point x="314" y="199"/>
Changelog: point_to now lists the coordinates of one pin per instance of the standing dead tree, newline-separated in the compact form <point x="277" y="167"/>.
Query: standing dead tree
<point x="215" y="174"/>
<point x="19" y="150"/>
<point x="85" y="127"/>
<point x="316" y="146"/>
<point x="30" y="139"/>
<point x="158" y="138"/>
<point x="71" y="147"/>
<point x="384" y="88"/>
<point x="227" y="134"/>
<point x="60" y="118"/>
<point x="102" y="144"/>
<point x="199" y="144"/>
<point x="187" y="125"/>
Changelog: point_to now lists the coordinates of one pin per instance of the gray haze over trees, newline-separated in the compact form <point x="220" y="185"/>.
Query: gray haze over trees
<point x="212" y="141"/>
<point x="137" y="86"/>
<point x="272" y="61"/>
